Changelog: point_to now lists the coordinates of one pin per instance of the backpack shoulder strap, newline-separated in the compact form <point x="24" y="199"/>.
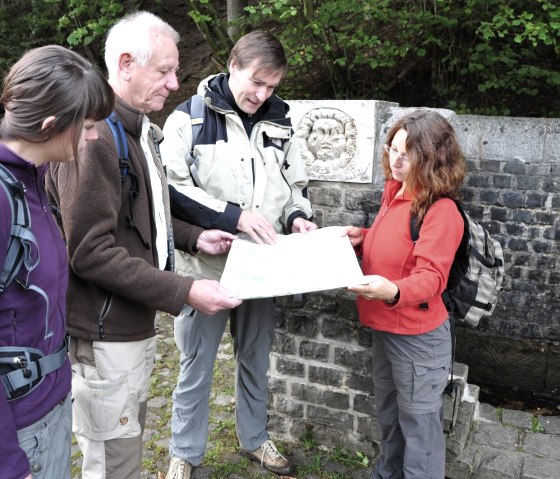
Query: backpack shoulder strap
<point x="197" y="120"/>
<point x="416" y="225"/>
<point x="22" y="246"/>
<point x="117" y="130"/>
<point x="414" y="229"/>
<point x="197" y="117"/>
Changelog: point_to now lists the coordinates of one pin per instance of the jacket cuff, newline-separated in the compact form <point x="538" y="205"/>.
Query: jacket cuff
<point x="293" y="216"/>
<point x="229" y="219"/>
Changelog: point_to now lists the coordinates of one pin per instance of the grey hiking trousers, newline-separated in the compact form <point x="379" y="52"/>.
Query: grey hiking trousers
<point x="409" y="376"/>
<point x="198" y="337"/>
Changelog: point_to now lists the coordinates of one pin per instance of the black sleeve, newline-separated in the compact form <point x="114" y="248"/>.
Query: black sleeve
<point x="191" y="211"/>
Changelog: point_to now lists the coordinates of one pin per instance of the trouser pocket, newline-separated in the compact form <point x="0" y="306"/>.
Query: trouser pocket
<point x="102" y="409"/>
<point x="430" y="378"/>
<point x="47" y="443"/>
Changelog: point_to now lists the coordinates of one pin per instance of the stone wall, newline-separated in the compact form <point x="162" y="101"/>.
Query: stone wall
<point x="320" y="371"/>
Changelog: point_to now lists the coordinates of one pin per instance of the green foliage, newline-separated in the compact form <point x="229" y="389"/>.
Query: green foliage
<point x="315" y="464"/>
<point x="497" y="57"/>
<point x="475" y="56"/>
<point x="499" y="412"/>
<point x="77" y="24"/>
<point x="307" y="440"/>
<point x="362" y="459"/>
<point x="208" y="20"/>
<point x="350" y="460"/>
<point x="24" y="25"/>
<point x="536" y="425"/>
<point x="514" y="50"/>
<point x="86" y="23"/>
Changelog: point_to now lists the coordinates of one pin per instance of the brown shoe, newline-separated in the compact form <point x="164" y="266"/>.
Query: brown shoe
<point x="269" y="458"/>
<point x="179" y="469"/>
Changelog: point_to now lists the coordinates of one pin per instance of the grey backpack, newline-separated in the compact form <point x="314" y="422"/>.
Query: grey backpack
<point x="22" y="247"/>
<point x="476" y="275"/>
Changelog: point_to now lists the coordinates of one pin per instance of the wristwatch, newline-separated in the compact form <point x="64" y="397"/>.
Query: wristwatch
<point x="395" y="299"/>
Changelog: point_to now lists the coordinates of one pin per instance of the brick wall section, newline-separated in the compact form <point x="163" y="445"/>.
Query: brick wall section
<point x="320" y="373"/>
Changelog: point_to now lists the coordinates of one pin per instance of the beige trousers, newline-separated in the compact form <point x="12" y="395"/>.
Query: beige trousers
<point x="110" y="391"/>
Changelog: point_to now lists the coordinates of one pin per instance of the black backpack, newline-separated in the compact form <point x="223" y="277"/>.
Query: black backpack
<point x="476" y="275"/>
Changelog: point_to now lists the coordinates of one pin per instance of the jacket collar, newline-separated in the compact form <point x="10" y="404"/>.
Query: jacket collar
<point x="21" y="168"/>
<point x="391" y="189"/>
<point x="274" y="109"/>
<point x="130" y="117"/>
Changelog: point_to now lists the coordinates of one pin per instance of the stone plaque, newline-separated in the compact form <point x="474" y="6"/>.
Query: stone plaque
<point x="336" y="138"/>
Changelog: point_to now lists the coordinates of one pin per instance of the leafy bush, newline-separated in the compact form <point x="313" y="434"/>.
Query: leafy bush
<point x="86" y="23"/>
<point x="477" y="56"/>
<point x="24" y="25"/>
<point x="473" y="56"/>
<point x="213" y="26"/>
<point x="77" y="24"/>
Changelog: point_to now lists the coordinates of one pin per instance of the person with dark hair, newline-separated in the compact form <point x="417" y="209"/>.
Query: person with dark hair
<point x="247" y="175"/>
<point x="50" y="101"/>
<point x="424" y="170"/>
<point x="120" y="238"/>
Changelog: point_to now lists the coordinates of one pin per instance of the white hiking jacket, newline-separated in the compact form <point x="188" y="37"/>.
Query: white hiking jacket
<point x="264" y="173"/>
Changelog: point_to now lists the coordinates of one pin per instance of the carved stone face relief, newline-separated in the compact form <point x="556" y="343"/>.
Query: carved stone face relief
<point x="327" y="139"/>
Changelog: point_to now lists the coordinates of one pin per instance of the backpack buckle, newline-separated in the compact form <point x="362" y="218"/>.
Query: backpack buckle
<point x="21" y="362"/>
<point x="22" y="283"/>
<point x="18" y="188"/>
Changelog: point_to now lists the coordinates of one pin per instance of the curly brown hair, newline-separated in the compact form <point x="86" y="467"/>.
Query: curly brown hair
<point x="437" y="165"/>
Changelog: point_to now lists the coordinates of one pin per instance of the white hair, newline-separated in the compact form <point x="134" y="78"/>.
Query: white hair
<point x="135" y="34"/>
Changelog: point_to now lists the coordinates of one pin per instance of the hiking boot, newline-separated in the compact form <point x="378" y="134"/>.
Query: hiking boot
<point x="269" y="458"/>
<point x="179" y="469"/>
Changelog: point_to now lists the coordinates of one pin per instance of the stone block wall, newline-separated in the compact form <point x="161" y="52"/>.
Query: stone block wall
<point x="320" y="372"/>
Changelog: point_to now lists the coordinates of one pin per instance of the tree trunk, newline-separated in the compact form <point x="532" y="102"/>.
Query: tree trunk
<point x="235" y="12"/>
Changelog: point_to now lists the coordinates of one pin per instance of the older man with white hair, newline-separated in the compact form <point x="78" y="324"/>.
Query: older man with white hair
<point x="120" y="238"/>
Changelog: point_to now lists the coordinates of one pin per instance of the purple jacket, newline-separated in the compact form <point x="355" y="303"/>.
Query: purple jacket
<point x="24" y="319"/>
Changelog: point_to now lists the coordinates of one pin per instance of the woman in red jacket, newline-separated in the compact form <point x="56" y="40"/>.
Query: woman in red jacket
<point x="424" y="170"/>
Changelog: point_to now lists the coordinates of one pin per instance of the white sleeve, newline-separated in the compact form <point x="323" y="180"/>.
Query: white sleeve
<point x="176" y="145"/>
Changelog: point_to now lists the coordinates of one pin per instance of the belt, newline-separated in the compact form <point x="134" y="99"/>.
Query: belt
<point x="30" y="371"/>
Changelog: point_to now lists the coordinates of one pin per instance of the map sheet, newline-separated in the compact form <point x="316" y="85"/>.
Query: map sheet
<point x="298" y="263"/>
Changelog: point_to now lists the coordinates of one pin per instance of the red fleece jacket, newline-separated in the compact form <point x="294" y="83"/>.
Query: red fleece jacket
<point x="420" y="271"/>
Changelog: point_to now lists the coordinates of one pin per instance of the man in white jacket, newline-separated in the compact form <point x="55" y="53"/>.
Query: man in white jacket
<point x="246" y="175"/>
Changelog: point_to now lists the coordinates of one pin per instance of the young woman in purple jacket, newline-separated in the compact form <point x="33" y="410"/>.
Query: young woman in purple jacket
<point x="50" y="102"/>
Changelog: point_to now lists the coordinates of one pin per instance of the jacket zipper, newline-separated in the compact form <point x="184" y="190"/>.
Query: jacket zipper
<point x="103" y="314"/>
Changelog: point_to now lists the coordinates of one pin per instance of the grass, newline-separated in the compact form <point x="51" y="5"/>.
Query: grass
<point x="536" y="425"/>
<point x="222" y="459"/>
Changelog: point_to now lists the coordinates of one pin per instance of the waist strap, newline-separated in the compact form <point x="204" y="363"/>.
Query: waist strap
<point x="30" y="371"/>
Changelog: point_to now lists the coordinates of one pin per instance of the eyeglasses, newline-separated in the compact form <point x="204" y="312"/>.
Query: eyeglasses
<point x="395" y="153"/>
